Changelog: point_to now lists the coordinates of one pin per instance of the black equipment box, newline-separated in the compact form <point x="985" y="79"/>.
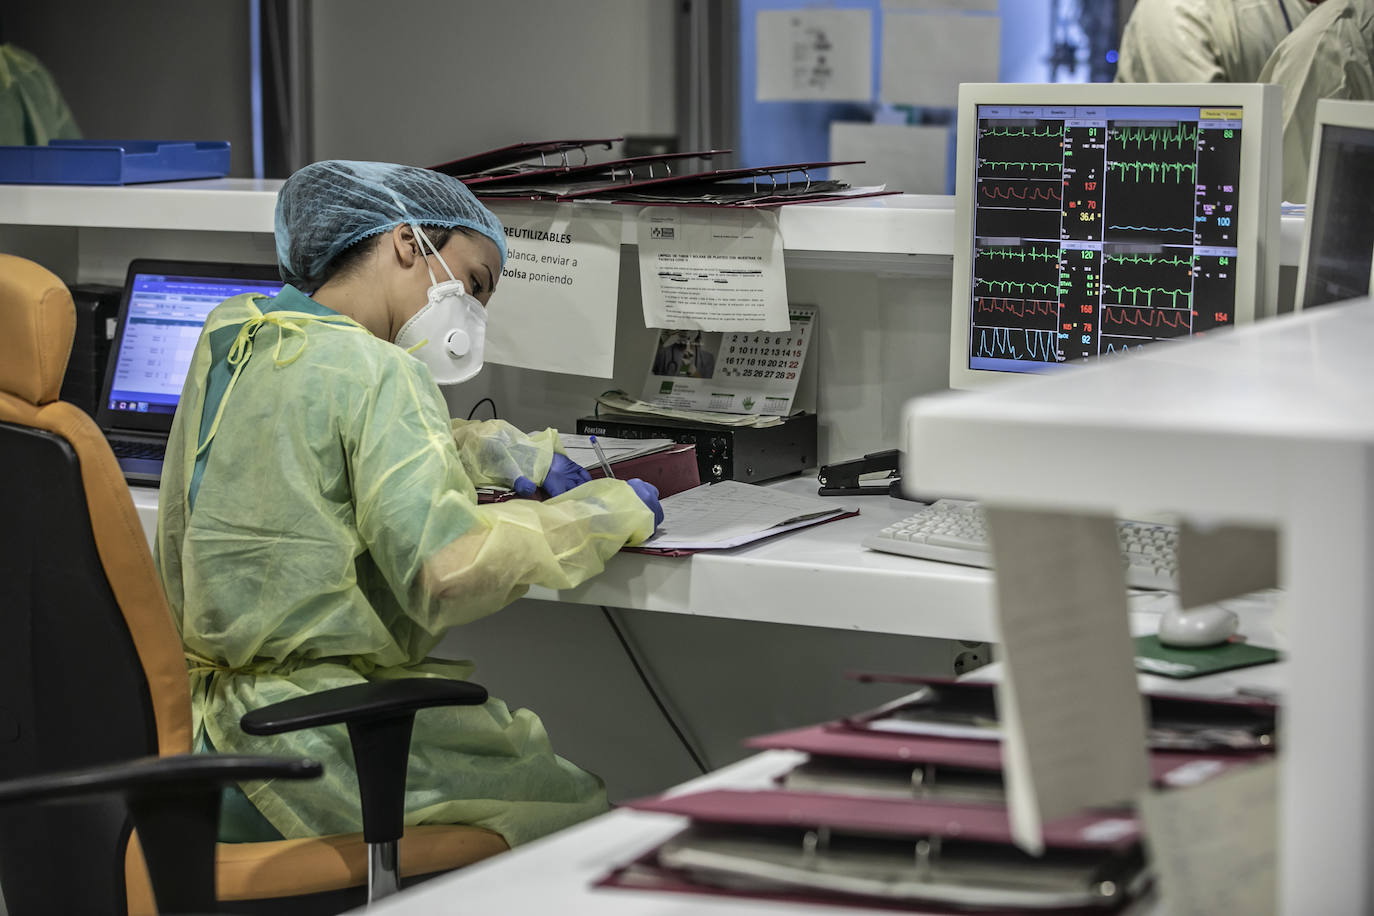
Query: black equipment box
<point x="748" y="453"/>
<point x="97" y="307"/>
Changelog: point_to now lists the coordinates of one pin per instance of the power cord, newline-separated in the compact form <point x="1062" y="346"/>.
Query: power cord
<point x="653" y="694"/>
<point x="494" y="414"/>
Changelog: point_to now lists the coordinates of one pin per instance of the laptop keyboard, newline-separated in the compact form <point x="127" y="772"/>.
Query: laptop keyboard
<point x="124" y="448"/>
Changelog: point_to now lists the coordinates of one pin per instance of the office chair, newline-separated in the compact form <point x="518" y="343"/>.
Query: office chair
<point x="92" y="669"/>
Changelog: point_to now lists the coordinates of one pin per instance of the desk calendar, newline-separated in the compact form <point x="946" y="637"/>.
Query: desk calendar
<point x="753" y="372"/>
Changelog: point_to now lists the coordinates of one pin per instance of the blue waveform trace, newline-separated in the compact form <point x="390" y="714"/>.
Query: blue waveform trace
<point x="1150" y="228"/>
<point x="1124" y="348"/>
<point x="1039" y="345"/>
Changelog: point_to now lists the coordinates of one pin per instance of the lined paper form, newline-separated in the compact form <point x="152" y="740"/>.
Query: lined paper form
<point x="731" y="513"/>
<point x="1072" y="717"/>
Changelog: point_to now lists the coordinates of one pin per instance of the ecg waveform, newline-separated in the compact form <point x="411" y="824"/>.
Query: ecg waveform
<point x="1145" y="259"/>
<point x="1013" y="164"/>
<point x="1124" y="319"/>
<point x="1023" y="131"/>
<point x="999" y="343"/>
<point x="1021" y="308"/>
<point x="1149" y="292"/>
<point x="1159" y="171"/>
<point x="1158" y="137"/>
<point x="1020" y="287"/>
<point x="1019" y="254"/>
<point x="1030" y="194"/>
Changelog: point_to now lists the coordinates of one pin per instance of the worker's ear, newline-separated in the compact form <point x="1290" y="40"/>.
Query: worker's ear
<point x="405" y="246"/>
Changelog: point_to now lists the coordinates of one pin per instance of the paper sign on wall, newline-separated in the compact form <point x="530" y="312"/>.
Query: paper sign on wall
<point x="927" y="55"/>
<point x="555" y="306"/>
<point x="901" y="157"/>
<point x="712" y="269"/>
<point x="745" y="372"/>
<point x="814" y="55"/>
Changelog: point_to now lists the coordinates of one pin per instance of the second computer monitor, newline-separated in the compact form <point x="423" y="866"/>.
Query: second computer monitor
<point x="1094" y="219"/>
<point x="1338" y="245"/>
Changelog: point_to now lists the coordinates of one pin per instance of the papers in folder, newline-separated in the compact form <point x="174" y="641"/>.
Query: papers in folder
<point x="579" y="448"/>
<point x="730" y="513"/>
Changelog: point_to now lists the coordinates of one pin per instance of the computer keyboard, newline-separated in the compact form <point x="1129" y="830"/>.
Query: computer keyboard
<point x="954" y="531"/>
<point x="126" y="448"/>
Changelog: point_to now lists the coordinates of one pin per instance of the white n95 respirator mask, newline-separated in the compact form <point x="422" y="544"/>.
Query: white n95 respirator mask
<point x="449" y="334"/>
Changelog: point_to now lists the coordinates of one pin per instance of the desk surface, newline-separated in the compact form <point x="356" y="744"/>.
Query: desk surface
<point x="816" y="576"/>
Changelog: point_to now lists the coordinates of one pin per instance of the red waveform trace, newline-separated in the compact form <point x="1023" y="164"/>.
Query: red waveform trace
<point x="1146" y="318"/>
<point x="1021" y="308"/>
<point x="1037" y="193"/>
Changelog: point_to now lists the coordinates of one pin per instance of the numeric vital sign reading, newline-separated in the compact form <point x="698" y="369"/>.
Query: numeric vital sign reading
<point x="1101" y="228"/>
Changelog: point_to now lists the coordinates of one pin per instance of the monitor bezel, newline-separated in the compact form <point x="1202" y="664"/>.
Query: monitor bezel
<point x="1256" y="281"/>
<point x="1330" y="113"/>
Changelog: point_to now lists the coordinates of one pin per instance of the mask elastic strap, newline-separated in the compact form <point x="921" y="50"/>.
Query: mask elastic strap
<point x="420" y="233"/>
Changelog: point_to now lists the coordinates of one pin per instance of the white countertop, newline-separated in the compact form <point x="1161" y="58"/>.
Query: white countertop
<point x="817" y="576"/>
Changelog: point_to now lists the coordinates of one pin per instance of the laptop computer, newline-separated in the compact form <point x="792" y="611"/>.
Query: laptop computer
<point x="161" y="313"/>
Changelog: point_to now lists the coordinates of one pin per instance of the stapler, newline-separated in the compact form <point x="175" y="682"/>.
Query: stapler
<point x="842" y="478"/>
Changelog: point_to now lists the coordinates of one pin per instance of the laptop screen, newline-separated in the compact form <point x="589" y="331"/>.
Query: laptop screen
<point x="159" y="325"/>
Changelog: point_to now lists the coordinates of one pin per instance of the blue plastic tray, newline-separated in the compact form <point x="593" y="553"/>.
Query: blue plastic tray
<point x="113" y="161"/>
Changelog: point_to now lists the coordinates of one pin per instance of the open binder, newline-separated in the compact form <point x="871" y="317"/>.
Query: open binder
<point x="968" y="709"/>
<point x="794" y="844"/>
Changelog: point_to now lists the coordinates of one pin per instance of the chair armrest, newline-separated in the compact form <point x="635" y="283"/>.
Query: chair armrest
<point x="182" y="772"/>
<point x="174" y="804"/>
<point x="360" y="703"/>
<point x="379" y="716"/>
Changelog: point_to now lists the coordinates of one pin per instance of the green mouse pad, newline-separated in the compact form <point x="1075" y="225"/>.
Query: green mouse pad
<point x="1153" y="658"/>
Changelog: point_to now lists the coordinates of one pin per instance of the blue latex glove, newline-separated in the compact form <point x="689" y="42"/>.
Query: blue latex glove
<point x="524" y="487"/>
<point x="649" y="493"/>
<point x="564" y="474"/>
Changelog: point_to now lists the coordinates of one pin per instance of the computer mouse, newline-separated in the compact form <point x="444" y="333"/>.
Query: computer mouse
<point x="1197" y="627"/>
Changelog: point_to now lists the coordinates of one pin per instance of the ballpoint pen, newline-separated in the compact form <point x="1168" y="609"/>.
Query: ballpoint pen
<point x="601" y="456"/>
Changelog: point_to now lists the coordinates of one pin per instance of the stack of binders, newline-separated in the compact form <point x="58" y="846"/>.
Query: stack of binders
<point x="563" y="170"/>
<point x="903" y="807"/>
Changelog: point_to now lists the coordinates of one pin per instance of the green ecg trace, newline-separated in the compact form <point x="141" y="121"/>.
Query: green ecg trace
<point x="1148" y="259"/>
<point x="1023" y="132"/>
<point x="1020" y="255"/>
<point x="1008" y="284"/>
<point x="1149" y="293"/>
<point x="1156" y="168"/>
<point x="1157" y="136"/>
<point x="995" y="164"/>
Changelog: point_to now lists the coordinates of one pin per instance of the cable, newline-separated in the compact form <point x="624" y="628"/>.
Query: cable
<point x="494" y="414"/>
<point x="653" y="694"/>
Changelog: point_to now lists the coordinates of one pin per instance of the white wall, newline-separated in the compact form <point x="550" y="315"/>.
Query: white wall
<point x="425" y="81"/>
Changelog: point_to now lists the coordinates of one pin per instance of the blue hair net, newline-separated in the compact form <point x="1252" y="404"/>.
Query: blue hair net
<point x="327" y="207"/>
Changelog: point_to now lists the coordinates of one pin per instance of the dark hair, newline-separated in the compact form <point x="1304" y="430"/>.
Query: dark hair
<point x="348" y="260"/>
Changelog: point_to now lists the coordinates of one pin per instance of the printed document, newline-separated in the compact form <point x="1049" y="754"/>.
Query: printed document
<point x="712" y="270"/>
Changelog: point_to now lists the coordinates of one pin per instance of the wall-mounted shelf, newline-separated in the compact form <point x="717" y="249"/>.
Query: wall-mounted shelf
<point x="908" y="233"/>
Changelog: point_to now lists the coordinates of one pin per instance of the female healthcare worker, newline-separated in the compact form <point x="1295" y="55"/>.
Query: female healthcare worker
<point x="319" y="526"/>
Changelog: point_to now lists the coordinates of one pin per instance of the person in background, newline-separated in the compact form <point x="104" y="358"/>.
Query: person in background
<point x="318" y="522"/>
<point x="1204" y="41"/>
<point x="1329" y="56"/>
<point x="32" y="110"/>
